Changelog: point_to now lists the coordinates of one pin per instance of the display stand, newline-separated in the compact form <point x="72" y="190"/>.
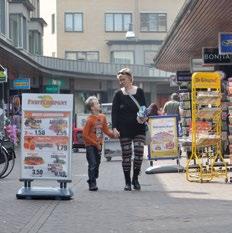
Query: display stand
<point x="206" y="161"/>
<point x="46" y="145"/>
<point x="164" y="144"/>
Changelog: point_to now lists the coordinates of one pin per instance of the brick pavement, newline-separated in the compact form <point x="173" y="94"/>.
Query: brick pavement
<point x="167" y="203"/>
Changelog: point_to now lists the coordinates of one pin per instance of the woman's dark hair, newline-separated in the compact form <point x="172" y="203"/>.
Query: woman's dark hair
<point x="153" y="110"/>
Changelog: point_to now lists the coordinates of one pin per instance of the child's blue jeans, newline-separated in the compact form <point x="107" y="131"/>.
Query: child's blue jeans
<point x="93" y="156"/>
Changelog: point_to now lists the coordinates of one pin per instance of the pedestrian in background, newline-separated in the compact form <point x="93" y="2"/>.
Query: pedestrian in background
<point x="93" y="130"/>
<point x="172" y="107"/>
<point x="128" y="126"/>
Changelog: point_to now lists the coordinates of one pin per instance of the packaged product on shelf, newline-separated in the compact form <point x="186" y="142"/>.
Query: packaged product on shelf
<point x="186" y="105"/>
<point x="209" y="97"/>
<point x="186" y="113"/>
<point x="224" y="136"/>
<point x="229" y="90"/>
<point x="208" y="112"/>
<point x="230" y="139"/>
<point x="184" y="96"/>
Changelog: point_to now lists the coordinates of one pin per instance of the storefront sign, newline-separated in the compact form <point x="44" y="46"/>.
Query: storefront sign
<point x="183" y="76"/>
<point x="52" y="89"/>
<point x="3" y="74"/>
<point x="225" y="43"/>
<point x="212" y="56"/>
<point x="21" y="84"/>
<point x="46" y="136"/>
<point x="197" y="65"/>
<point x="164" y="144"/>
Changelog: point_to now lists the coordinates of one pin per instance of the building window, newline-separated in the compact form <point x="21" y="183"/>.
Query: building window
<point x="149" y="56"/>
<point x="92" y="56"/>
<point x="73" y="22"/>
<point x="36" y="12"/>
<point x="2" y="16"/>
<point x="117" y="22"/>
<point x="18" y="30"/>
<point x="35" y="42"/>
<point x="122" y="57"/>
<point x="153" y="22"/>
<point x="53" y="23"/>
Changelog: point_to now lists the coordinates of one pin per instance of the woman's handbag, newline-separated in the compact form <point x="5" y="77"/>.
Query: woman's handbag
<point x="147" y="132"/>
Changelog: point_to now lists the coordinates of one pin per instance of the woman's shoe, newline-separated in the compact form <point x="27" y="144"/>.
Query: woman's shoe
<point x="136" y="184"/>
<point x="127" y="187"/>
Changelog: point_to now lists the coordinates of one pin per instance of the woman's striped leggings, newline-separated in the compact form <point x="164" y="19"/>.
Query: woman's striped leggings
<point x="126" y="145"/>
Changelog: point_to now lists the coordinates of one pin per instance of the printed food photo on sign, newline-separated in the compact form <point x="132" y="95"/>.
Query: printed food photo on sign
<point x="163" y="141"/>
<point x="33" y="160"/>
<point x="59" y="126"/>
<point x="32" y="123"/>
<point x="34" y="143"/>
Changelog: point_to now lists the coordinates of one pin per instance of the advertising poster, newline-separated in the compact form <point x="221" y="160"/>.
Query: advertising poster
<point x="164" y="137"/>
<point x="46" y="136"/>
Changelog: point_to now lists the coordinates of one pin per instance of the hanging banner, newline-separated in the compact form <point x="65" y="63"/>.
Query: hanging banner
<point x="46" y="136"/>
<point x="164" y="143"/>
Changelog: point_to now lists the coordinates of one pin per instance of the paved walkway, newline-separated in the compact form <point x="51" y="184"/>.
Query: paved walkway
<point x="167" y="203"/>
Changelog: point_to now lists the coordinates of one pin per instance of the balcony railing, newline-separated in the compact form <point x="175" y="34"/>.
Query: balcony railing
<point x="97" y="67"/>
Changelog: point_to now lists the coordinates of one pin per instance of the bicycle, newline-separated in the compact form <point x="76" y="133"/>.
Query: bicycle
<point x="7" y="157"/>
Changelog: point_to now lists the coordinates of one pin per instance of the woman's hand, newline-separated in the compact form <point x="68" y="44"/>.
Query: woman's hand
<point x="141" y="120"/>
<point x="116" y="133"/>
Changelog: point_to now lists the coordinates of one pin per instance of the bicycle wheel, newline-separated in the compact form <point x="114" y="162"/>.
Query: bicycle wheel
<point x="3" y="161"/>
<point x="11" y="162"/>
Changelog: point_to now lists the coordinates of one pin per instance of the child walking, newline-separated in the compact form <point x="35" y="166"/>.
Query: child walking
<point x="94" y="128"/>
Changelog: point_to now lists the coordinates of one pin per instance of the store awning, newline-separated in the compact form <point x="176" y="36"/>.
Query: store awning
<point x="196" y="26"/>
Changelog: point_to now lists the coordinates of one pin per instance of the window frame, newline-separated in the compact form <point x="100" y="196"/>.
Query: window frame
<point x="36" y="46"/>
<point x="3" y="17"/>
<point x="76" y="54"/>
<point x="123" y="26"/>
<point x="118" y="51"/>
<point x="145" y="51"/>
<point x="21" y="37"/>
<point x="158" y="22"/>
<point x="53" y="23"/>
<point x="73" y="25"/>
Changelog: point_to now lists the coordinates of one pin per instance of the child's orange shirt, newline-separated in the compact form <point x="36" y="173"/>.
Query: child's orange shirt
<point x="94" y="128"/>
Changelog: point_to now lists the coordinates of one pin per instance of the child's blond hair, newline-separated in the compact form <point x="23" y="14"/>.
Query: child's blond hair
<point x="90" y="101"/>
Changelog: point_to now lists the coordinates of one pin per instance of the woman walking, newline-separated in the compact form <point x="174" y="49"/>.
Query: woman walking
<point x="128" y="127"/>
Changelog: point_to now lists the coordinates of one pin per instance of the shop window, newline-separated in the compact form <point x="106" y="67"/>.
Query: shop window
<point x="92" y="56"/>
<point x="122" y="57"/>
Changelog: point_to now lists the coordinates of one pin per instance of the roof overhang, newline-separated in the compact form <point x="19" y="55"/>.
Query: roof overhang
<point x="39" y="20"/>
<point x="196" y="26"/>
<point x="26" y="3"/>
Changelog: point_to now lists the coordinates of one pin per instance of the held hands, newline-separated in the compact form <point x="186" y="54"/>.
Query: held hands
<point x="116" y="133"/>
